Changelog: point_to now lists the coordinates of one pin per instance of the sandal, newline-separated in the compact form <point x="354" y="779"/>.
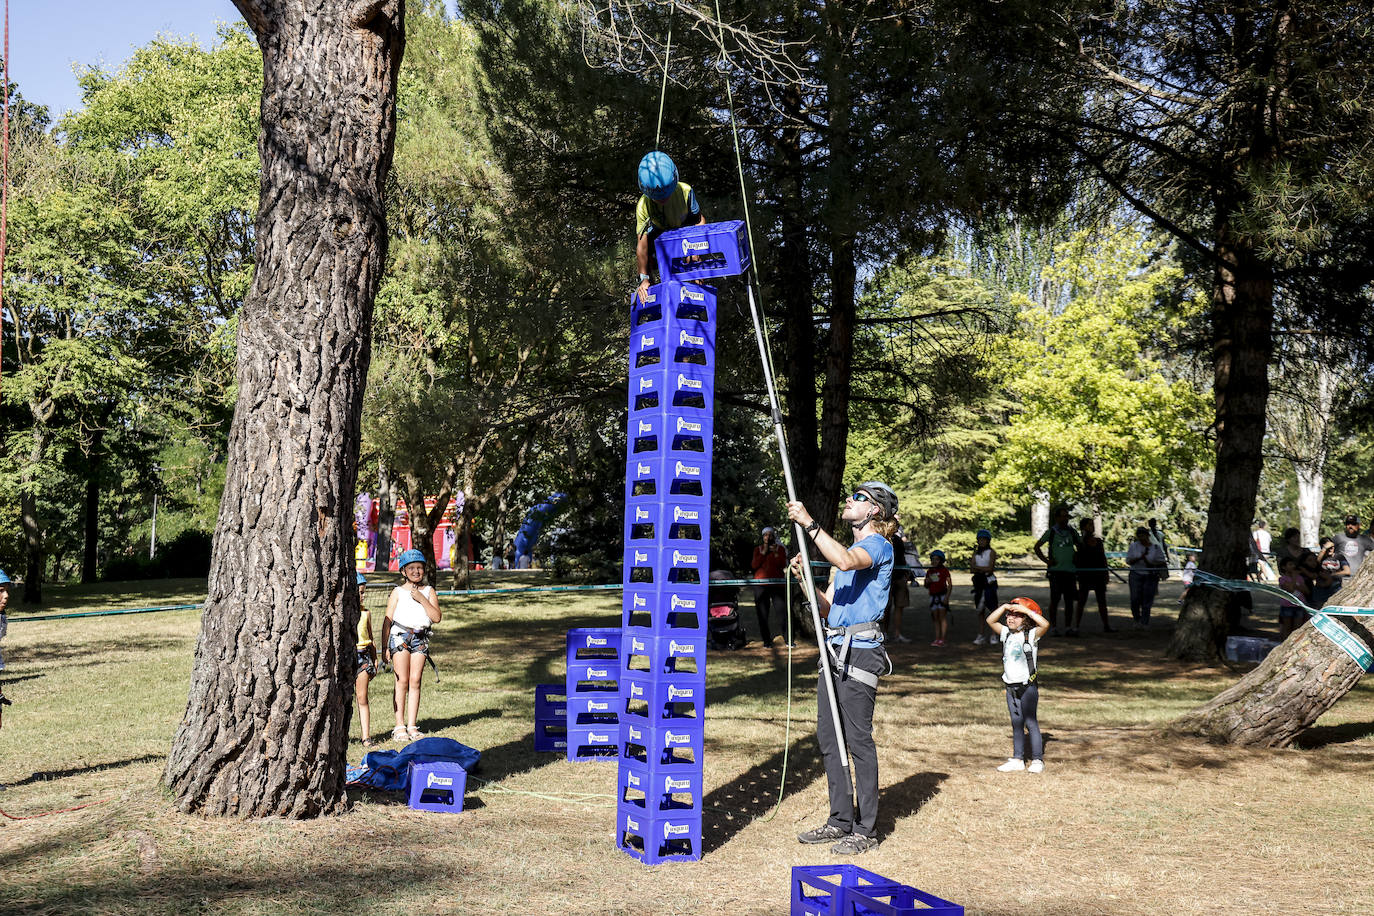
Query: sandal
<point x="367" y="742"/>
<point x="399" y="733"/>
<point x="415" y="733"/>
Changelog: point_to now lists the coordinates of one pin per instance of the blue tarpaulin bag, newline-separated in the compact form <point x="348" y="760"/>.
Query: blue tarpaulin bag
<point x="390" y="770"/>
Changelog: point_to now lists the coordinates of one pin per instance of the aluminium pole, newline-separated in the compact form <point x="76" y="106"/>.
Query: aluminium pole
<point x="808" y="586"/>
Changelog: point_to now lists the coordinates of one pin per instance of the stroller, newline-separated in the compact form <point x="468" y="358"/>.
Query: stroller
<point x="723" y="629"/>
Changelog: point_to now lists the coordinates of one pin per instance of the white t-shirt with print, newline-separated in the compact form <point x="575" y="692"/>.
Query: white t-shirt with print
<point x="1015" y="648"/>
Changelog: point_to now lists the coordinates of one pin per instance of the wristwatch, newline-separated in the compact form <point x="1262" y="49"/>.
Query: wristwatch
<point x="813" y="527"/>
<point x="643" y="277"/>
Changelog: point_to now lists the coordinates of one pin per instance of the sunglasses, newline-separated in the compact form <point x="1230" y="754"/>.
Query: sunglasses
<point x="861" y="497"/>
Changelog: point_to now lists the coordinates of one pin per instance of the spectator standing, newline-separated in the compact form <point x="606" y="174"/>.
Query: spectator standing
<point x="4" y="627"/>
<point x="1291" y="545"/>
<point x="1189" y="571"/>
<point x="1145" y="560"/>
<point x="1263" y="539"/>
<point x="1353" y="544"/>
<point x="1335" y="570"/>
<point x="365" y="668"/>
<point x="1063" y="543"/>
<point x="984" y="568"/>
<point x="939" y="583"/>
<point x="1291" y="580"/>
<point x="899" y="596"/>
<point x="768" y="562"/>
<point x="1091" y="562"/>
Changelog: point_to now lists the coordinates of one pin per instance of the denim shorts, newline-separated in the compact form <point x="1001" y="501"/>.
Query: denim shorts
<point x="406" y="641"/>
<point x="365" y="663"/>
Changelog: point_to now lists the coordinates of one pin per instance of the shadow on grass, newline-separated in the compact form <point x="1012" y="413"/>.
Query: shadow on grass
<point x="751" y="795"/>
<point x="88" y="653"/>
<point x="1325" y="735"/>
<point x="430" y="726"/>
<point x="320" y="888"/>
<point x="46" y="775"/>
<point x="906" y="798"/>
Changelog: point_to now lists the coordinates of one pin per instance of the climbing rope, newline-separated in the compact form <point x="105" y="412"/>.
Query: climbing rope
<point x="663" y="92"/>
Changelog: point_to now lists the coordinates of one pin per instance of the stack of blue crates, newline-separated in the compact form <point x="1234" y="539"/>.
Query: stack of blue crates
<point x="667" y="544"/>
<point x="848" y="890"/>
<point x="593" y="693"/>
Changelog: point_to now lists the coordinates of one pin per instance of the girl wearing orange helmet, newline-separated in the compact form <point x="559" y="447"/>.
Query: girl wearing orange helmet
<point x="1020" y="635"/>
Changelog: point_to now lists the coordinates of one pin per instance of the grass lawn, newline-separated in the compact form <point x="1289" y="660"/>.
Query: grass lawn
<point x="1121" y="822"/>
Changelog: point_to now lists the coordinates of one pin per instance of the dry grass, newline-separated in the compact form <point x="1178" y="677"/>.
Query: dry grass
<point x="1121" y="822"/>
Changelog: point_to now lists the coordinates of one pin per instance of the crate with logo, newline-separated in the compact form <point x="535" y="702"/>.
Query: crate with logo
<point x="705" y="251"/>
<point x="848" y="890"/>
<point x="663" y="655"/>
<point x="673" y="837"/>
<point x="678" y="746"/>
<point x="663" y="699"/>
<point x="550" y="717"/>
<point x="659" y="790"/>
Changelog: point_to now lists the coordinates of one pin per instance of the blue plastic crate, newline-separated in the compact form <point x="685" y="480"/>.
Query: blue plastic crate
<point x="690" y="344"/>
<point x="686" y="436"/>
<point x="684" y="387"/>
<point x="679" y="479"/>
<point x="595" y="708"/>
<point x="669" y="611"/>
<point x="833" y="890"/>
<point x="550" y="736"/>
<point x="647" y="435"/>
<point x="551" y="702"/>
<point x="640" y="566"/>
<point x="652" y="310"/>
<point x="643" y="523"/>
<point x="594" y="742"/>
<point x="677" y="746"/>
<point x="586" y="673"/>
<point x="587" y="644"/>
<point x="700" y="252"/>
<point x="673" y="837"/>
<point x="659" y="790"/>
<point x="688" y="301"/>
<point x="649" y="347"/>
<point x="664" y="654"/>
<point x="437" y="786"/>
<point x="663" y="699"/>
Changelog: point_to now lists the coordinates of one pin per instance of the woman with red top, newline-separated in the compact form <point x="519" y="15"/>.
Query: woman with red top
<point x="768" y="562"/>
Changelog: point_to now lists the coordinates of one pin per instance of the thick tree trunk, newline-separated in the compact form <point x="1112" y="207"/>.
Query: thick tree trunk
<point x="266" y="723"/>
<point x="1242" y="345"/>
<point x="1311" y="502"/>
<point x="1299" y="680"/>
<point x="1040" y="514"/>
<point x="30" y="523"/>
<point x="795" y="284"/>
<point x="90" y="552"/>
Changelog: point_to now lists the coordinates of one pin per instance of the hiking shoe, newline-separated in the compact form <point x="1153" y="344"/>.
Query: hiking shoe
<point x="1036" y="766"/>
<point x="1013" y="765"/>
<point x="822" y="834"/>
<point x="854" y="844"/>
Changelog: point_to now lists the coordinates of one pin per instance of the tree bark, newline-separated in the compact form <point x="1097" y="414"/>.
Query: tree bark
<point x="29" y="521"/>
<point x="90" y="552"/>
<point x="1242" y="345"/>
<point x="386" y="516"/>
<point x="1311" y="500"/>
<point x="1298" y="681"/>
<point x="266" y="723"/>
<point x="1040" y="514"/>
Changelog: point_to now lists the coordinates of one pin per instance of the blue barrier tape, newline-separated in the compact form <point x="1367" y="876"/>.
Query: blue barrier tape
<point x="110" y="613"/>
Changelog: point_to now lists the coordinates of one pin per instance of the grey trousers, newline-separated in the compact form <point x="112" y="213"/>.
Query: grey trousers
<point x="856" y="718"/>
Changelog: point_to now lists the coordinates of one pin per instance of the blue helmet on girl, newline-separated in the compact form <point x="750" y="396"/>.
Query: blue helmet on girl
<point x="657" y="176"/>
<point x="410" y="556"/>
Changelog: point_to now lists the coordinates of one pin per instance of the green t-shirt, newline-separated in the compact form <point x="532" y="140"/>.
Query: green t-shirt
<point x="677" y="211"/>
<point x="1063" y="542"/>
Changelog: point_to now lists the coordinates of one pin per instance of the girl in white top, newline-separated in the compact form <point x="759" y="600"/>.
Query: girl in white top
<point x="1020" y="637"/>
<point x="984" y="568"/>
<point x="410" y="611"/>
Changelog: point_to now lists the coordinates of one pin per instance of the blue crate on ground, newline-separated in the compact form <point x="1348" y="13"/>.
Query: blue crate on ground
<point x="663" y="699"/>
<point x="664" y="655"/>
<point x="594" y="742"/>
<point x="550" y="702"/>
<point x="660" y="790"/>
<point x="832" y="890"/>
<point x="551" y="736"/>
<point x="719" y="249"/>
<point x="437" y="786"/>
<point x="677" y="746"/>
<point x="651" y="840"/>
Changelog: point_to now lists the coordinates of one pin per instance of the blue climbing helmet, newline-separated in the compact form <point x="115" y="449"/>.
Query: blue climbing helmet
<point x="4" y="578"/>
<point x="657" y="176"/>
<point x="984" y="533"/>
<point x="410" y="556"/>
<point x="362" y="580"/>
<point x="937" y="554"/>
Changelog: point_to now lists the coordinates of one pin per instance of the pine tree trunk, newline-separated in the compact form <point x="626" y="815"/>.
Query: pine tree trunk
<point x="29" y="521"/>
<point x="386" y="516"/>
<point x="1299" y="680"/>
<point x="1040" y="514"/>
<point x="1311" y="502"/>
<point x="1242" y="345"/>
<point x="90" y="548"/>
<point x="266" y="722"/>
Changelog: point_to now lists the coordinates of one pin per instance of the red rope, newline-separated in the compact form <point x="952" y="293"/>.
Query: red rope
<point x="4" y="185"/>
<point x="29" y="817"/>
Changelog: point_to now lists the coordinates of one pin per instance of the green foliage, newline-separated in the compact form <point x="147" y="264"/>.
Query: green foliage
<point x="1104" y="420"/>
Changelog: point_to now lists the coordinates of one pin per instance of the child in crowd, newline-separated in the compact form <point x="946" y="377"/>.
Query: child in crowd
<point x="367" y="663"/>
<point x="938" y="583"/>
<point x="984" y="567"/>
<point x="1333" y="569"/>
<point x="410" y="611"/>
<point x="1186" y="577"/>
<point x="1020" y="636"/>
<point x="1291" y="614"/>
<point x="4" y="626"/>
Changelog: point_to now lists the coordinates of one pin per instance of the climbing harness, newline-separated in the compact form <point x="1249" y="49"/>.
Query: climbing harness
<point x="839" y="657"/>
